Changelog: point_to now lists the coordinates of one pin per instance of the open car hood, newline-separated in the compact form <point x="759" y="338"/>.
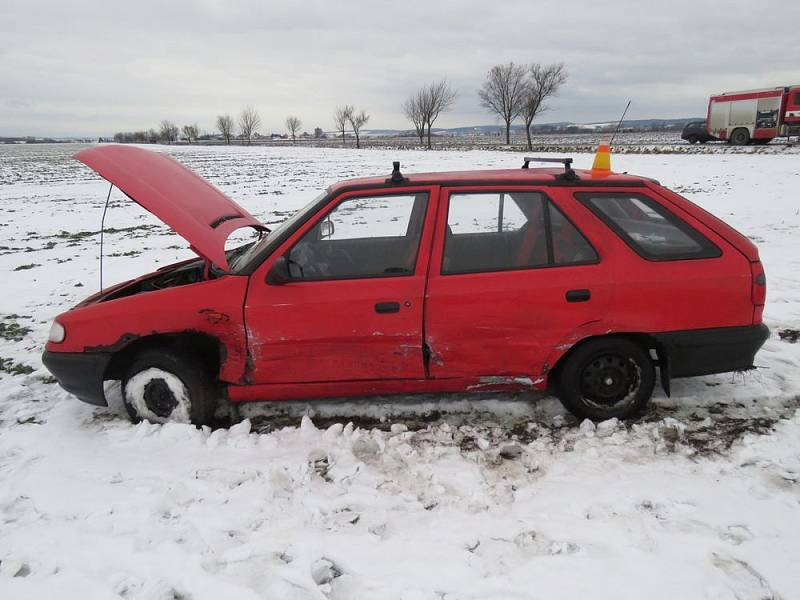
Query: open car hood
<point x="189" y="204"/>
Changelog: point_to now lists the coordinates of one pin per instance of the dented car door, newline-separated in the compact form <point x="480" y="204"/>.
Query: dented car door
<point x="350" y="304"/>
<point x="512" y="277"/>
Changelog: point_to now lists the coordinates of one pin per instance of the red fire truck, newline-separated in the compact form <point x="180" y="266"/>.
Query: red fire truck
<point x="754" y="116"/>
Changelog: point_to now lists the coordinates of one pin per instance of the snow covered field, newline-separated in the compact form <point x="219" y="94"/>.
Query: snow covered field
<point x="498" y="497"/>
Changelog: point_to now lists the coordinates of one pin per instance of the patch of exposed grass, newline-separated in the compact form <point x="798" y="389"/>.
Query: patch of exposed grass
<point x="7" y="365"/>
<point x="13" y="331"/>
<point x="28" y="266"/>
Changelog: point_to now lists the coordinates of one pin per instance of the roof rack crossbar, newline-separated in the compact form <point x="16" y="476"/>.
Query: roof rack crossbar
<point x="568" y="174"/>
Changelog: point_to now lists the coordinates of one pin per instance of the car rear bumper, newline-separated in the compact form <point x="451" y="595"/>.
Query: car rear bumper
<point x="80" y="373"/>
<point x="704" y="351"/>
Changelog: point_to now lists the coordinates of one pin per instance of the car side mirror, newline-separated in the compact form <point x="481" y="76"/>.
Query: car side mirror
<point x="326" y="229"/>
<point x="279" y="272"/>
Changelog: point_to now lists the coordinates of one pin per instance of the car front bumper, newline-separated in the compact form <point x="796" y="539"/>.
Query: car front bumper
<point x="80" y="373"/>
<point x="705" y="351"/>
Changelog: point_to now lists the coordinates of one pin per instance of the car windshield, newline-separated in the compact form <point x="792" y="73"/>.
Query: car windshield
<point x="249" y="252"/>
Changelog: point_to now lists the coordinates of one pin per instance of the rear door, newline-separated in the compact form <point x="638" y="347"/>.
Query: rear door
<point x="511" y="277"/>
<point x="353" y="308"/>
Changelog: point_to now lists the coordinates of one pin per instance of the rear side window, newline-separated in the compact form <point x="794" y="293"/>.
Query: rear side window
<point x="649" y="228"/>
<point x="502" y="231"/>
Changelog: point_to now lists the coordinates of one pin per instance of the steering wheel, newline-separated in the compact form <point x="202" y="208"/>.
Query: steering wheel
<point x="339" y="257"/>
<point x="315" y="260"/>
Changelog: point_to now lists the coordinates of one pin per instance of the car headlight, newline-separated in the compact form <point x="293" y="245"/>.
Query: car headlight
<point x="57" y="333"/>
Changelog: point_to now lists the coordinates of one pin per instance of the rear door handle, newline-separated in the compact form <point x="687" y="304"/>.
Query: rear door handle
<point x="578" y="295"/>
<point x="387" y="307"/>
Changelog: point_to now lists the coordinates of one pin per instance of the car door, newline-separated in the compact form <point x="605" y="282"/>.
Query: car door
<point x="352" y="309"/>
<point x="511" y="278"/>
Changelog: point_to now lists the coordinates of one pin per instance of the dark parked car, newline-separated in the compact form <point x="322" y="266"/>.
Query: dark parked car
<point x="695" y="131"/>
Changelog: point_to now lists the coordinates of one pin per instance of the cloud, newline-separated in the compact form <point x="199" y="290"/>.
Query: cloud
<point x="87" y="67"/>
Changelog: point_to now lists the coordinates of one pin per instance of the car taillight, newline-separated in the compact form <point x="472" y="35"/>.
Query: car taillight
<point x="758" y="290"/>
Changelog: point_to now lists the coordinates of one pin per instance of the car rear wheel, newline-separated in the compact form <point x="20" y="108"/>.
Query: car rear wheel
<point x="692" y="139"/>
<point x="740" y="137"/>
<point x="606" y="378"/>
<point x="161" y="386"/>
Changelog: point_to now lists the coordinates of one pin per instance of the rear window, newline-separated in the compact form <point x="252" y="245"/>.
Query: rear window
<point x="649" y="228"/>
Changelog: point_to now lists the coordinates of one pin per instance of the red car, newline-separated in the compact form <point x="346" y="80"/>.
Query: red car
<point x="481" y="281"/>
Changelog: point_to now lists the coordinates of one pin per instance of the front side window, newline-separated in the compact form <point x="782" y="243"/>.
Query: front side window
<point x="500" y="231"/>
<point x="365" y="236"/>
<point x="649" y="228"/>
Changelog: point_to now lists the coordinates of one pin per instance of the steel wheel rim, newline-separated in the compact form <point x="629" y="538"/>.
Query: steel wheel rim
<point x="609" y="380"/>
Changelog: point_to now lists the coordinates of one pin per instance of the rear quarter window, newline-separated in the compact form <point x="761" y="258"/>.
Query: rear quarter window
<point x="650" y="229"/>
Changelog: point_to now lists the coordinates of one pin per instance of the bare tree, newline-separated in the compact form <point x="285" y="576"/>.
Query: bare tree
<point x="413" y="110"/>
<point x="438" y="99"/>
<point x="168" y="131"/>
<point x="225" y="127"/>
<point x="249" y="121"/>
<point x="191" y="132"/>
<point x="425" y="106"/>
<point x="502" y="93"/>
<point x="357" y="121"/>
<point x="544" y="81"/>
<point x="293" y="124"/>
<point x="342" y="117"/>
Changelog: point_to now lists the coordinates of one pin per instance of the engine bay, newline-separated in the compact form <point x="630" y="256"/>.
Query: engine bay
<point x="184" y="274"/>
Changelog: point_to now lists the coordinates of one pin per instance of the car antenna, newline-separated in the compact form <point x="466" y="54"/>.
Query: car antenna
<point x="624" y="112"/>
<point x="567" y="175"/>
<point x="102" y="229"/>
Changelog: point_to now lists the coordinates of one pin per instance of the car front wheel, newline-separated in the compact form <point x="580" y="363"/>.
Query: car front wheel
<point x="161" y="386"/>
<point x="606" y="378"/>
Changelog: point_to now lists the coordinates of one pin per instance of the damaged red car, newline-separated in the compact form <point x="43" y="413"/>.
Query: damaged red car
<point x="586" y="282"/>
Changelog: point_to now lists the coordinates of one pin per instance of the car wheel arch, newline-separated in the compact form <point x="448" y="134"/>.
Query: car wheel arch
<point x="208" y="350"/>
<point x="646" y="341"/>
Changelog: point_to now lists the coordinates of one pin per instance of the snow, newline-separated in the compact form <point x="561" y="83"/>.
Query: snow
<point x="135" y="392"/>
<point x="494" y="496"/>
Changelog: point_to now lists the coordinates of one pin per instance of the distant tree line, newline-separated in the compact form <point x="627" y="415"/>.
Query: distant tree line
<point x="510" y="91"/>
<point x="244" y="129"/>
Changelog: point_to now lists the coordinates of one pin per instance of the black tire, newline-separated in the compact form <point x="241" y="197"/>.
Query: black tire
<point x="149" y="395"/>
<point x="605" y="378"/>
<point x="692" y="139"/>
<point x="740" y="137"/>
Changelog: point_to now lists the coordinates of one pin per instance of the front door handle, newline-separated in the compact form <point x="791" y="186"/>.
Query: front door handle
<point x="387" y="307"/>
<point x="578" y="295"/>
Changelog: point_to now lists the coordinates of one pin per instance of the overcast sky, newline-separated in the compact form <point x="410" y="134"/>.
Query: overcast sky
<point x="95" y="67"/>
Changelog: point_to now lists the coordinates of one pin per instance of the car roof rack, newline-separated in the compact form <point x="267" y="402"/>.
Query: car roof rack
<point x="567" y="175"/>
<point x="396" y="176"/>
